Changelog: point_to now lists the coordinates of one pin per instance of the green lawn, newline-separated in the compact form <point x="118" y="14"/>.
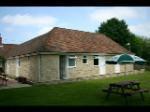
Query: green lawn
<point x="84" y="93"/>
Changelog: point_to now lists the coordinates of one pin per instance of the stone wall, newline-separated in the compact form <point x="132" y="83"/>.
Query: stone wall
<point x="126" y="68"/>
<point x="24" y="68"/>
<point x="49" y="67"/>
<point x="10" y="67"/>
<point x="83" y="69"/>
<point x="110" y="69"/>
<point x="34" y="71"/>
<point x="89" y="69"/>
<point x="28" y="67"/>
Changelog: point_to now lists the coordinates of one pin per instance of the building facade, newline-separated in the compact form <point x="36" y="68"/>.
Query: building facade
<point x="65" y="54"/>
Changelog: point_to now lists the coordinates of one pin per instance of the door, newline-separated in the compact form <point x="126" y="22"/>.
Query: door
<point x="62" y="67"/>
<point x="102" y="65"/>
<point x="117" y="68"/>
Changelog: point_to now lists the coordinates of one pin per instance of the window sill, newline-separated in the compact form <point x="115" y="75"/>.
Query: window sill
<point x="71" y="67"/>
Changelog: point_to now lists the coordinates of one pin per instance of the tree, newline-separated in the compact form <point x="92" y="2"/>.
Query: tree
<point x="146" y="50"/>
<point x="117" y="30"/>
<point x="137" y="44"/>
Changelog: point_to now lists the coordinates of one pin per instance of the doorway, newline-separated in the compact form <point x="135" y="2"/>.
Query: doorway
<point x="62" y="66"/>
<point x="102" y="65"/>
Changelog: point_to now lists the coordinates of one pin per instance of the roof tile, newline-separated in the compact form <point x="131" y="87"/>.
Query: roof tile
<point x="67" y="40"/>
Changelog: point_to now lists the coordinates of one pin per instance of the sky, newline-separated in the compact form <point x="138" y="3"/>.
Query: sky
<point x="19" y="24"/>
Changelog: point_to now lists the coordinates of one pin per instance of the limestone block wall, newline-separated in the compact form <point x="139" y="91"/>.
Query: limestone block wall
<point x="28" y="67"/>
<point x="33" y="69"/>
<point x="83" y="69"/>
<point x="10" y="67"/>
<point x="89" y="69"/>
<point x="130" y="67"/>
<point x="110" y="68"/>
<point x="49" y="67"/>
<point x="126" y="68"/>
<point x="24" y="68"/>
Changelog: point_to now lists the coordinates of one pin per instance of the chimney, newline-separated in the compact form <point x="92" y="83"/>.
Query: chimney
<point x="1" y="44"/>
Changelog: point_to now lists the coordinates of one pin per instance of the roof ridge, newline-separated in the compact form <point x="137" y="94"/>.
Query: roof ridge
<point x="95" y="33"/>
<point x="76" y="30"/>
<point x="34" y="38"/>
<point x="10" y="44"/>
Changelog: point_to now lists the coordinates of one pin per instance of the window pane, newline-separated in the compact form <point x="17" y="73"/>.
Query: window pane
<point x="84" y="60"/>
<point x="71" y="62"/>
<point x="95" y="61"/>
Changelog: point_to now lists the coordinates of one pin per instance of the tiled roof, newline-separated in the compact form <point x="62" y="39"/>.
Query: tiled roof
<point x="5" y="49"/>
<point x="67" y="40"/>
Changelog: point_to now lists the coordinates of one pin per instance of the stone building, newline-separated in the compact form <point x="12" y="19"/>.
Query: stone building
<point x="65" y="54"/>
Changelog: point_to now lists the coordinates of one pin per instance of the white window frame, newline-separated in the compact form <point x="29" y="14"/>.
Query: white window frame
<point x="71" y="57"/>
<point x="85" y="58"/>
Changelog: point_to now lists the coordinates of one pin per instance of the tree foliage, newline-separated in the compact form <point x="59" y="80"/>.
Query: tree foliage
<point x="136" y="45"/>
<point x="118" y="31"/>
<point x="146" y="50"/>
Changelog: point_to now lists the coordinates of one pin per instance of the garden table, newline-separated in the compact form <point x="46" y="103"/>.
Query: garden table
<point x="125" y="88"/>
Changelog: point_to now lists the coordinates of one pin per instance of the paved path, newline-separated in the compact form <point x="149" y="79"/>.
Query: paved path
<point x="13" y="84"/>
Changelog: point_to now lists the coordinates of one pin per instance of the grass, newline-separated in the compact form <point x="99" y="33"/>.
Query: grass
<point x="83" y="93"/>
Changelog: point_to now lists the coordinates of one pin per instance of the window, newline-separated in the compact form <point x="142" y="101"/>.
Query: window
<point x="72" y="61"/>
<point x="96" y="60"/>
<point x="84" y="60"/>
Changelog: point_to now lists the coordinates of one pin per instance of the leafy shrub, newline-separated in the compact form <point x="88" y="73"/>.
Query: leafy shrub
<point x="21" y="79"/>
<point x="24" y="80"/>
